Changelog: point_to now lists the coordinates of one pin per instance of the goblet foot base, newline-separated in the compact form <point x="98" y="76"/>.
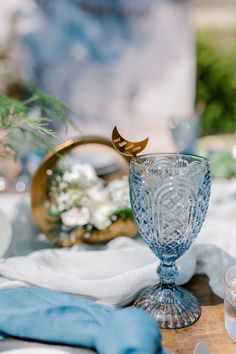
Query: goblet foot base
<point x="173" y="307"/>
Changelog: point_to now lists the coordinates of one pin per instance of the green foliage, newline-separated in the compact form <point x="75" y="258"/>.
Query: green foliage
<point x="223" y="165"/>
<point x="123" y="214"/>
<point x="216" y="82"/>
<point x="12" y="112"/>
<point x="17" y="123"/>
<point x="51" y="106"/>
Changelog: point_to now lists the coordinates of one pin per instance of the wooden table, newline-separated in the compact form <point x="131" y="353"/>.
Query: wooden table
<point x="209" y="328"/>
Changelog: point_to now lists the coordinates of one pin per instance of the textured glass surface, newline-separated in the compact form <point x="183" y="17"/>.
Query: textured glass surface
<point x="169" y="196"/>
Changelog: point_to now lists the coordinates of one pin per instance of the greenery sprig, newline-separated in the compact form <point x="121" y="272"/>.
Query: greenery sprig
<point x="18" y="121"/>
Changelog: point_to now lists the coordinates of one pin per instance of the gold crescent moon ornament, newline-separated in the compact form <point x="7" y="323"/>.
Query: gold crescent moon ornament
<point x="125" y="147"/>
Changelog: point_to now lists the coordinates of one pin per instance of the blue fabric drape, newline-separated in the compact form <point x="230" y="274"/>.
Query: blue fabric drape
<point x="53" y="317"/>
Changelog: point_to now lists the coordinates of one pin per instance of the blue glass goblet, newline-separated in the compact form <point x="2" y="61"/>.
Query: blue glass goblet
<point x="169" y="196"/>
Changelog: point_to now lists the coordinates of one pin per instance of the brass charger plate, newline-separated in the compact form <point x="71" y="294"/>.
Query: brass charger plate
<point x="39" y="196"/>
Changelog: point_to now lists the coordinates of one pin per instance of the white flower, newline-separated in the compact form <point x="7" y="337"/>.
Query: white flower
<point x="76" y="217"/>
<point x="84" y="175"/>
<point x="63" y="201"/>
<point x="100" y="207"/>
<point x="119" y="192"/>
<point x="62" y="185"/>
<point x="97" y="194"/>
<point x="101" y="216"/>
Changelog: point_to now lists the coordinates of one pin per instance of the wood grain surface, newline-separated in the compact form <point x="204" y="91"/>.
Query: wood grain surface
<point x="209" y="328"/>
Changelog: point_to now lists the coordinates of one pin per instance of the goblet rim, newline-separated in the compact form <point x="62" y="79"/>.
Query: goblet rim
<point x="201" y="159"/>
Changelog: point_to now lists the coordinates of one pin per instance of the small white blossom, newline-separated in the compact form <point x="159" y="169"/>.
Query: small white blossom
<point x="97" y="194"/>
<point x="76" y="217"/>
<point x="82" y="174"/>
<point x="119" y="192"/>
<point x="101" y="216"/>
<point x="64" y="201"/>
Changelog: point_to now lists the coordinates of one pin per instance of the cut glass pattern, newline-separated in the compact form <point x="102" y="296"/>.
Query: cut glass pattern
<point x="169" y="196"/>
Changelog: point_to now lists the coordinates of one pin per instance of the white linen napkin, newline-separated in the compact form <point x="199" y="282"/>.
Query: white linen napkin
<point x="112" y="276"/>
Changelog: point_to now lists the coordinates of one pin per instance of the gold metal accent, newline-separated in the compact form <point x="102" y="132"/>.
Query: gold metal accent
<point x="125" y="147"/>
<point x="39" y="197"/>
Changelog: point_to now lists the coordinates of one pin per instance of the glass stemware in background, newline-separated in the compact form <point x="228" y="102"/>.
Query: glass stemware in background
<point x="185" y="133"/>
<point x="230" y="302"/>
<point x="169" y="197"/>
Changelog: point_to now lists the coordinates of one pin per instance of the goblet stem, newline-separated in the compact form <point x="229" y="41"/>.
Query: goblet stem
<point x="167" y="272"/>
<point x="172" y="305"/>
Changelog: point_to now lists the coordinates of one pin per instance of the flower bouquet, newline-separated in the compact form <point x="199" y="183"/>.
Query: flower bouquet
<point x="87" y="209"/>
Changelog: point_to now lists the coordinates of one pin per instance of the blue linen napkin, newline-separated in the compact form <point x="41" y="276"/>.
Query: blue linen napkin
<point x="53" y="317"/>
